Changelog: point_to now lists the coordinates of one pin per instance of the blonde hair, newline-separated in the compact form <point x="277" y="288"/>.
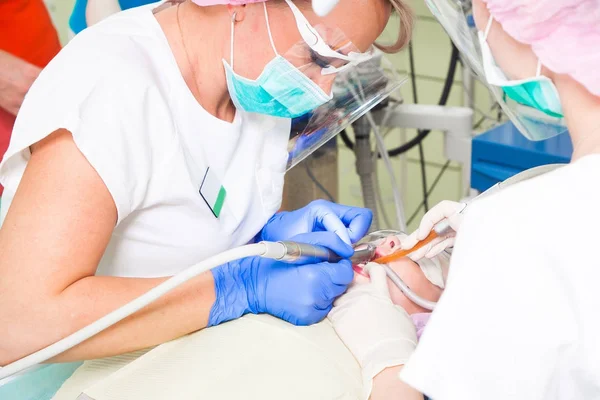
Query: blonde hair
<point x="406" y="27"/>
<point x="406" y="16"/>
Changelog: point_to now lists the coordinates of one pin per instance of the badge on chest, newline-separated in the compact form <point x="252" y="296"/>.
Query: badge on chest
<point x="213" y="192"/>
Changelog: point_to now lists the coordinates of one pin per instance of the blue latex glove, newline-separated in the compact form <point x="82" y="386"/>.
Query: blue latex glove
<point x="299" y="294"/>
<point x="349" y="223"/>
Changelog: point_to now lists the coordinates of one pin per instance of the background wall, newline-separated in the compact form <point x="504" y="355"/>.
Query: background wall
<point x="60" y="10"/>
<point x="432" y="55"/>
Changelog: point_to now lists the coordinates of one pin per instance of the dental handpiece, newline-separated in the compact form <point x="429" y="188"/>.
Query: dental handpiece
<point x="289" y="251"/>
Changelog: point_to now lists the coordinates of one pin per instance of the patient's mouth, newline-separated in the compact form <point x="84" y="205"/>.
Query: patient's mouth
<point x="360" y="270"/>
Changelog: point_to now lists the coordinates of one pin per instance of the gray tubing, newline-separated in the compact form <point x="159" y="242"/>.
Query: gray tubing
<point x="412" y="296"/>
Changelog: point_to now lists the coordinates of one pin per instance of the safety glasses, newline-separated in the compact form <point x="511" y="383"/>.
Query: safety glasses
<point x="316" y="43"/>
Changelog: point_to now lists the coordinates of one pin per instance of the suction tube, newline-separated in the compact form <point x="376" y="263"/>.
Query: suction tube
<point x="412" y="296"/>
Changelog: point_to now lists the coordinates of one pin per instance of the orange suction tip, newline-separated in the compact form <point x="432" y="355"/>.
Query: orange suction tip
<point x="403" y="253"/>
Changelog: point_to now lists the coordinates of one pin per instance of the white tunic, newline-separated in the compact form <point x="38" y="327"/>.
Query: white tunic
<point x="117" y="88"/>
<point x="519" y="317"/>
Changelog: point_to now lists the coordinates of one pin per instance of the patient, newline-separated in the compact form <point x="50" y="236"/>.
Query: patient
<point x="254" y="357"/>
<point x="426" y="278"/>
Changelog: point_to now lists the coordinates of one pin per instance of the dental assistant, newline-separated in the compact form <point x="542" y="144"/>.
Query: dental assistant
<point x="157" y="138"/>
<point x="519" y="316"/>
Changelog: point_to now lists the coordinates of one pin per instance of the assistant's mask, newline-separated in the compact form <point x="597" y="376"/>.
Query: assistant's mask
<point x="281" y="90"/>
<point x="532" y="105"/>
<point x="538" y="92"/>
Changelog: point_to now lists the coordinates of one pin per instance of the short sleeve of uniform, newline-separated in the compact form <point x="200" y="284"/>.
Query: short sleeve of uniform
<point x="503" y="328"/>
<point x="110" y="102"/>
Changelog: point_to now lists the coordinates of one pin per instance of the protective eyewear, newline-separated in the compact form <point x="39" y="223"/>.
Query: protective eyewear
<point x="317" y="45"/>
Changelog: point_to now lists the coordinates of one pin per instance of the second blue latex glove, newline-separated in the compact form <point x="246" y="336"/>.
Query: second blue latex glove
<point x="349" y="223"/>
<point x="299" y="294"/>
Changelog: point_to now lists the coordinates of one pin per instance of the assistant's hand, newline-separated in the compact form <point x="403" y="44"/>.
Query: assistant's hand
<point x="16" y="77"/>
<point x="299" y="294"/>
<point x="378" y="333"/>
<point x="446" y="209"/>
<point x="349" y="223"/>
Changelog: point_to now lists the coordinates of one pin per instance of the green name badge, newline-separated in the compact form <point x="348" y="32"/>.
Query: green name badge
<point x="213" y="192"/>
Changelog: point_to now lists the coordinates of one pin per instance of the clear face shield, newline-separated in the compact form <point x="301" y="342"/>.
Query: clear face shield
<point x="297" y="81"/>
<point x="353" y="81"/>
<point x="531" y="122"/>
<point x="356" y="91"/>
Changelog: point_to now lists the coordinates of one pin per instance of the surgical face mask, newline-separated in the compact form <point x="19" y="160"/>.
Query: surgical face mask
<point x="538" y="92"/>
<point x="281" y="90"/>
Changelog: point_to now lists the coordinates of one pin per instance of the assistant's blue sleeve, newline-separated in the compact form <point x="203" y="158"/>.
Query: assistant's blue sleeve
<point x="127" y="4"/>
<point x="77" y="21"/>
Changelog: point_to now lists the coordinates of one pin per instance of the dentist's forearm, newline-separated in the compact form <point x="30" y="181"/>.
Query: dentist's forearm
<point x="185" y="309"/>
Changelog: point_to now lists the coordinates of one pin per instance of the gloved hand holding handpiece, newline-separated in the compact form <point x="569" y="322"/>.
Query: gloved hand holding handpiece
<point x="300" y="294"/>
<point x="349" y="223"/>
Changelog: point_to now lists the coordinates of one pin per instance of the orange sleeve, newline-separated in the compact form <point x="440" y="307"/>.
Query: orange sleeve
<point x="26" y="31"/>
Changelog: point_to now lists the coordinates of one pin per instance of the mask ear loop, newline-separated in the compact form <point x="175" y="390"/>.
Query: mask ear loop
<point x="232" y="33"/>
<point x="269" y="29"/>
<point x="488" y="28"/>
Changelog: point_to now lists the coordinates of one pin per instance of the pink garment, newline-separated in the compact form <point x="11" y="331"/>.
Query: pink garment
<point x="564" y="34"/>
<point x="420" y="320"/>
<point x="232" y="2"/>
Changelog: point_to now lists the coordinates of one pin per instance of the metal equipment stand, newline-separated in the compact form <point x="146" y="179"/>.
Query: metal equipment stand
<point x="365" y="167"/>
<point x="455" y="122"/>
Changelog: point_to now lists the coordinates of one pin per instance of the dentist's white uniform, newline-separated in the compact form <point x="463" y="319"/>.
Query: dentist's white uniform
<point x="151" y="145"/>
